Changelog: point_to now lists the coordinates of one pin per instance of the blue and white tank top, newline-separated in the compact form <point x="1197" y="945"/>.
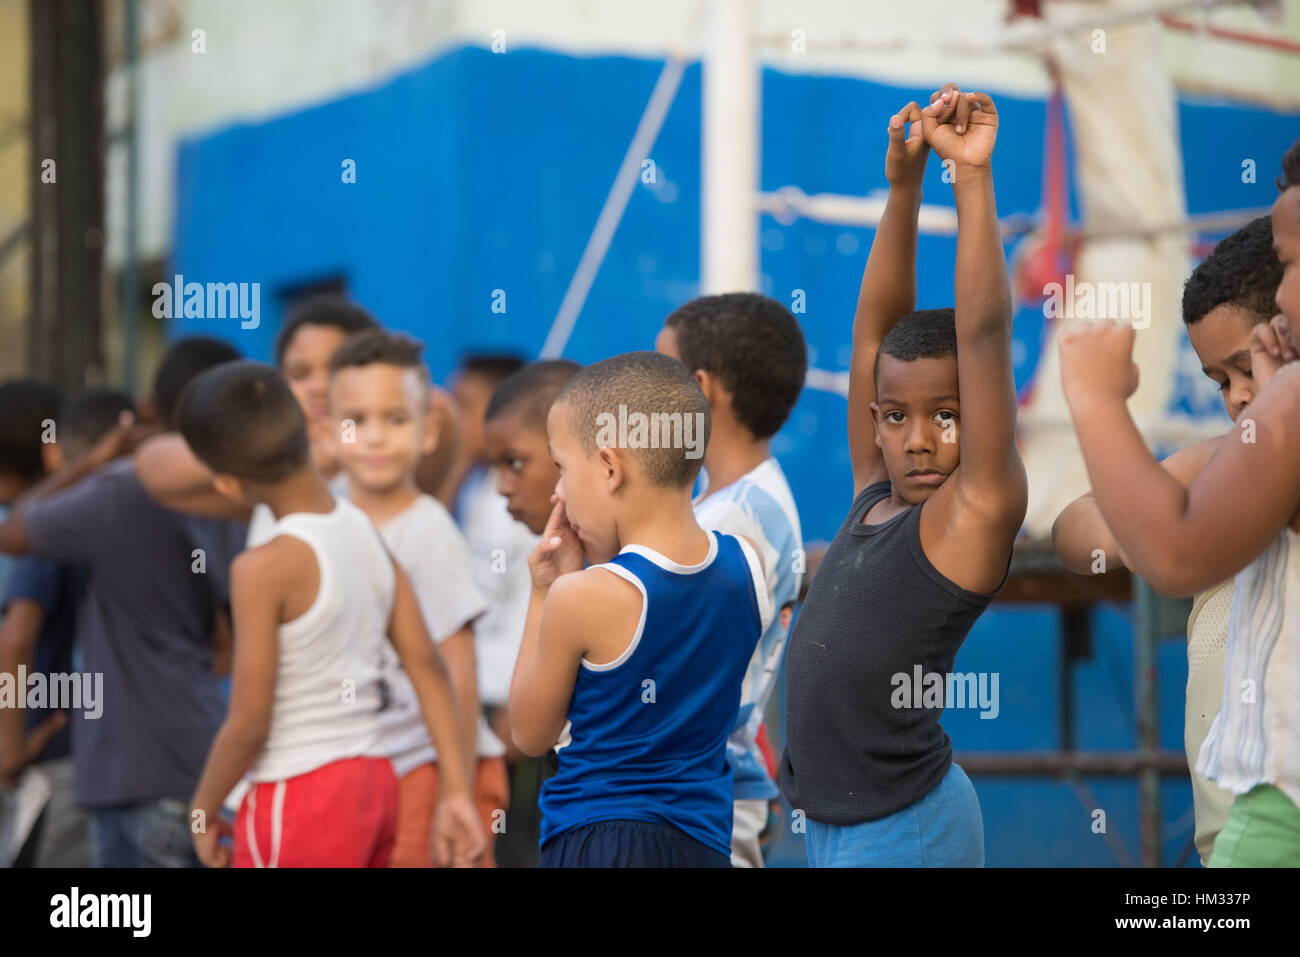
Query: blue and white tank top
<point x="646" y="734"/>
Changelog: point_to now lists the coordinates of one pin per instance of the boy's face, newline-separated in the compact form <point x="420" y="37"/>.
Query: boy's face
<point x="382" y="424"/>
<point x="586" y="486"/>
<point x="1286" y="242"/>
<point x="1221" y="339"/>
<point x="916" y="412"/>
<point x="526" y="473"/>
<point x="306" y="365"/>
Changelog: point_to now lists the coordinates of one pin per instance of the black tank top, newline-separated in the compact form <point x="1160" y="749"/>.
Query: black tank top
<point x="877" y="608"/>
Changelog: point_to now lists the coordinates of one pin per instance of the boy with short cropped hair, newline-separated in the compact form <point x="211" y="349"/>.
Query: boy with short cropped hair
<point x="1229" y="293"/>
<point x="631" y="669"/>
<point x="379" y="399"/>
<point x="748" y="354"/>
<point x="939" y="495"/>
<point x="136" y="764"/>
<point x="313" y="608"/>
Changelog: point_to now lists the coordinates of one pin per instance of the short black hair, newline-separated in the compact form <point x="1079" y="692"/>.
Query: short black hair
<point x="242" y="419"/>
<point x="324" y="309"/>
<point x="1242" y="271"/>
<point x="88" y="416"/>
<point x="652" y="384"/>
<point x="493" y="366"/>
<point x="26" y="406"/>
<point x="1290" y="168"/>
<point x="182" y="362"/>
<point x="753" y="345"/>
<point x="371" y="346"/>
<point x="924" y="334"/>
<point x="531" y="391"/>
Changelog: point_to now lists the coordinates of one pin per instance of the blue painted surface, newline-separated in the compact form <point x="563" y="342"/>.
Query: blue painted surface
<point x="478" y="172"/>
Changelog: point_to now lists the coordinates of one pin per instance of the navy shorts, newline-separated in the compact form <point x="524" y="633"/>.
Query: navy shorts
<point x="629" y="844"/>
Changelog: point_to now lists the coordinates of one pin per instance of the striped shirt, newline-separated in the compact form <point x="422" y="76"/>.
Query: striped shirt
<point x="759" y="507"/>
<point x="1255" y="739"/>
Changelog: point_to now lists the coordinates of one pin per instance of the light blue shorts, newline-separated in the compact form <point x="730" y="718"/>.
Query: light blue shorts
<point x="943" y="829"/>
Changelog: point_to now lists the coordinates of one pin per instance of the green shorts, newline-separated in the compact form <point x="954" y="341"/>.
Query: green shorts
<point x="1262" y="830"/>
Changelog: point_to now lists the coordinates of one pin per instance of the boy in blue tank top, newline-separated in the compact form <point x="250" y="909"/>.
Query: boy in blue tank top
<point x="939" y="495"/>
<point x="632" y="667"/>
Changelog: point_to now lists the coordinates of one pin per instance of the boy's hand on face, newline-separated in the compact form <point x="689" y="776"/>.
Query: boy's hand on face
<point x="1272" y="345"/>
<point x="458" y="839"/>
<point x="961" y="127"/>
<point x="208" y="842"/>
<point x="1097" y="362"/>
<point x="906" y="156"/>
<point x="558" y="553"/>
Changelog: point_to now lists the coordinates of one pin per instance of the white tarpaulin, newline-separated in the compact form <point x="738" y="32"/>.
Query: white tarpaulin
<point x="1129" y="175"/>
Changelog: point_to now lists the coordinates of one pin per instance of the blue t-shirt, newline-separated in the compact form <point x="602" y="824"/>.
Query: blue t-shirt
<point x="647" y="733"/>
<point x="144" y="624"/>
<point x="56" y="588"/>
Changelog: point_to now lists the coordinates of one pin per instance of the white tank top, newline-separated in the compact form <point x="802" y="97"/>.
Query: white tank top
<point x="328" y="689"/>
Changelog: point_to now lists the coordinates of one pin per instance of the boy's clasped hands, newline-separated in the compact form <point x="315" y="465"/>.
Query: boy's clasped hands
<point x="961" y="127"/>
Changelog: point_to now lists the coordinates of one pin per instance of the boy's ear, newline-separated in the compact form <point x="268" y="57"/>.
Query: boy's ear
<point x="613" y="466"/>
<point x="875" y="420"/>
<point x="51" y="456"/>
<point x="432" y="426"/>
<point x="708" y="384"/>
<point x="229" y="486"/>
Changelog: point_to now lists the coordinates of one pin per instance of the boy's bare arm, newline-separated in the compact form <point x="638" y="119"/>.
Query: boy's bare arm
<point x="1181" y="540"/>
<point x="888" y="290"/>
<point x="432" y="682"/>
<point x="991" y="478"/>
<point x="258" y="582"/>
<point x="554" y="638"/>
<point x="19" y="632"/>
<point x="117" y="441"/>
<point x="176" y="479"/>
<point x="458" y="654"/>
<point x="457" y="834"/>
<point x="548" y="668"/>
<point x="1081" y="530"/>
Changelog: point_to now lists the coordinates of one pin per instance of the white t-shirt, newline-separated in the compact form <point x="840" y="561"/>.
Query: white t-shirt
<point x="499" y="547"/>
<point x="430" y="549"/>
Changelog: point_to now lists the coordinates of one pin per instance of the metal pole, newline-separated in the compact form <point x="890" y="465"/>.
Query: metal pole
<point x="1148" y="719"/>
<point x="129" y="281"/>
<point x="730" y="141"/>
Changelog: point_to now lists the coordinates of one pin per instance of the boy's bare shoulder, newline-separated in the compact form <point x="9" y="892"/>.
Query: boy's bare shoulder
<point x="591" y="587"/>
<point x="995" y="509"/>
<point x="283" y="558"/>
<point x="594" y="599"/>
